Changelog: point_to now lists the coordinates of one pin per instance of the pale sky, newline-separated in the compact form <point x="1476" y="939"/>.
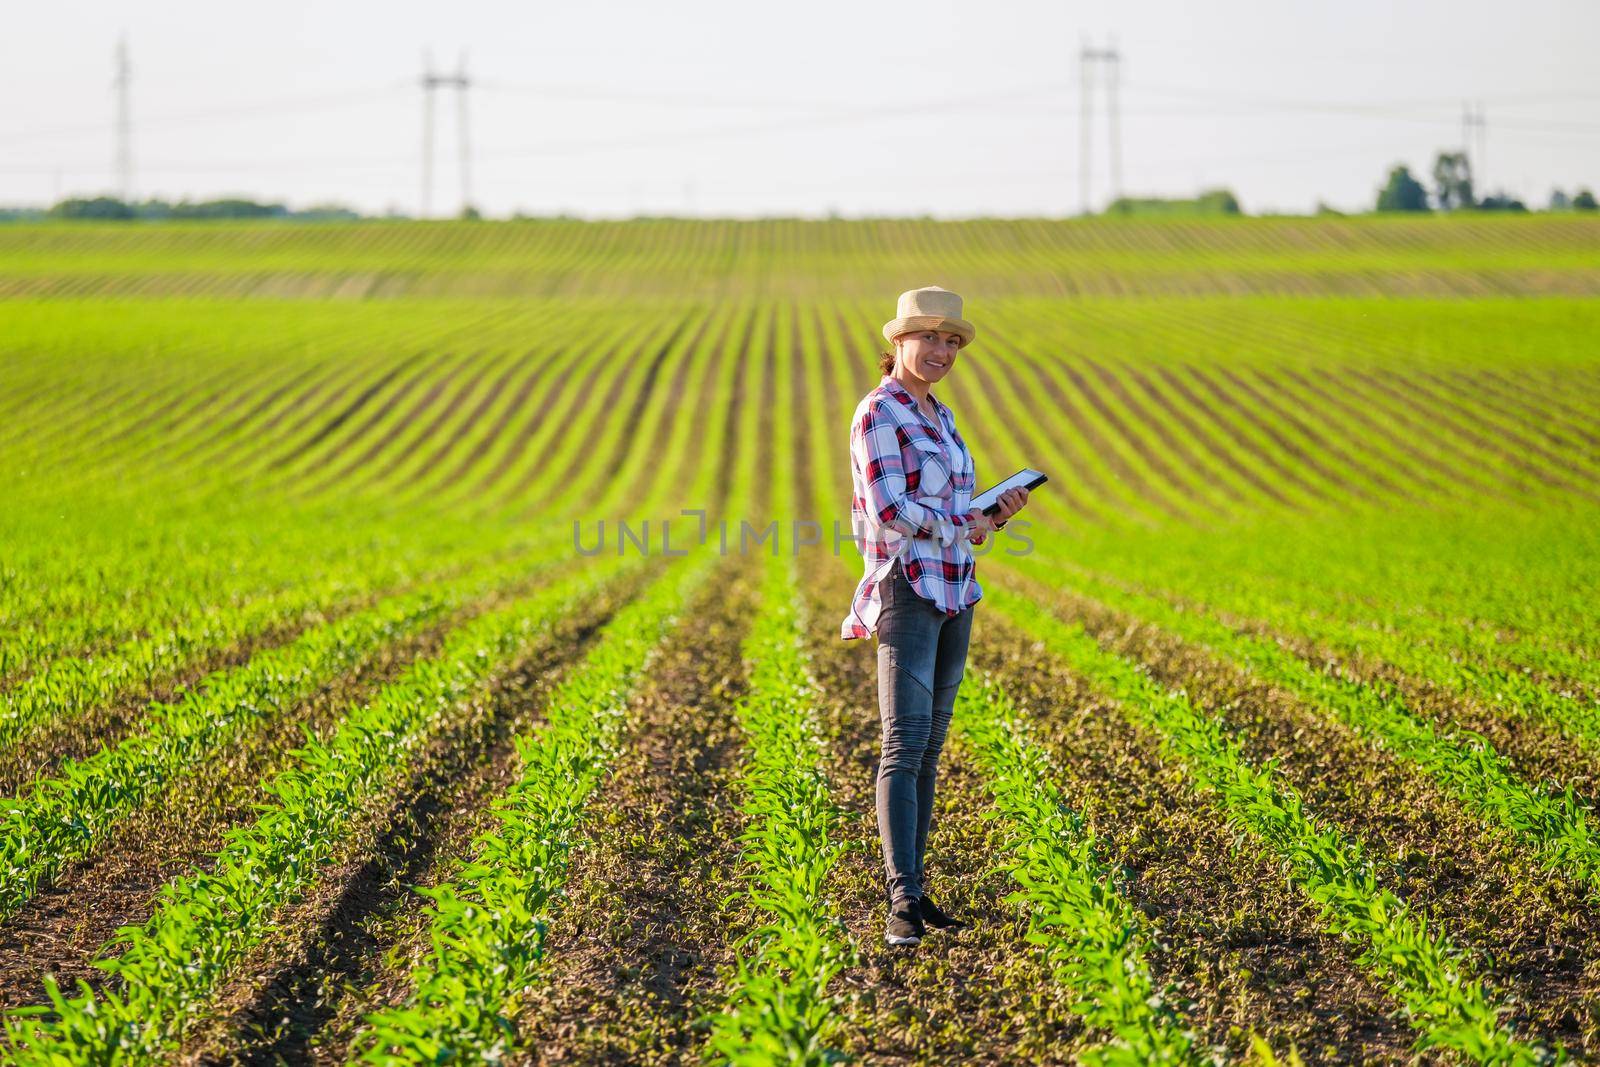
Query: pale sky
<point x="744" y="109"/>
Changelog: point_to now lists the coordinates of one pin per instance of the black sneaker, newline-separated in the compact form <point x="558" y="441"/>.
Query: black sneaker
<point x="934" y="919"/>
<point x="905" y="924"/>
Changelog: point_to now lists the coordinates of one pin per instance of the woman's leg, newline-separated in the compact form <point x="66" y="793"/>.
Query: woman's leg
<point x="908" y="634"/>
<point x="949" y="667"/>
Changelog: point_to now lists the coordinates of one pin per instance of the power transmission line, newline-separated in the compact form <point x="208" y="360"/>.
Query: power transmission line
<point x="1252" y="106"/>
<point x="608" y="95"/>
<point x="258" y="109"/>
<point x="591" y="144"/>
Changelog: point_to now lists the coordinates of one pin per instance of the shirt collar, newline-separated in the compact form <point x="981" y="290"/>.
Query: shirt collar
<point x="902" y="394"/>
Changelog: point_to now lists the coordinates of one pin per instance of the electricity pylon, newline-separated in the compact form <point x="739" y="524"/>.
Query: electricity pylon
<point x="123" y="154"/>
<point x="1088" y="57"/>
<point x="460" y="83"/>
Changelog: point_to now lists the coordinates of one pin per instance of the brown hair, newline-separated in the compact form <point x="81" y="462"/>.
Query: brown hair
<point x="886" y="363"/>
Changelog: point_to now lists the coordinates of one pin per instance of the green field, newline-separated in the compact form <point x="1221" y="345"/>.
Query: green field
<point x="325" y="740"/>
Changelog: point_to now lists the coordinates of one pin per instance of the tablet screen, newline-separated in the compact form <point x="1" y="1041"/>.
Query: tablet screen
<point x="1027" y="476"/>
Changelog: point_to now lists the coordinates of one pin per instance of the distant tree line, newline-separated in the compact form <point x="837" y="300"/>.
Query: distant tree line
<point x="1209" y="202"/>
<point x="110" y="207"/>
<point x="1453" y="191"/>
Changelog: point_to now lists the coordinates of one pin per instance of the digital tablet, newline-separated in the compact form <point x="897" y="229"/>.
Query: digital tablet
<point x="1026" y="478"/>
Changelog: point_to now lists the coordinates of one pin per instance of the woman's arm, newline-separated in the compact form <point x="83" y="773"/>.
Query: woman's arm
<point x="875" y="450"/>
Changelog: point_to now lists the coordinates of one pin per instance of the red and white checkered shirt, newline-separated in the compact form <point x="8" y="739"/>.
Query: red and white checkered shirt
<point x="913" y="484"/>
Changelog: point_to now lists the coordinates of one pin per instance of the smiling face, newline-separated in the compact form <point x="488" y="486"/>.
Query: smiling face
<point x="928" y="354"/>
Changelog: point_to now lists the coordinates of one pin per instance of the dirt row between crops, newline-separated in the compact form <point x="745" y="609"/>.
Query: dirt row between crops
<point x="1538" y="749"/>
<point x="345" y="952"/>
<point x="638" y="951"/>
<point x="66" y="925"/>
<point x="1245" y="948"/>
<point x="300" y="996"/>
<point x="973" y="996"/>
<point x="45" y="750"/>
<point x="1533" y="933"/>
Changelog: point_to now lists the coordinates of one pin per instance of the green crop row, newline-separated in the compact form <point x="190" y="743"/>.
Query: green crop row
<point x="1514" y="589"/>
<point x="1162" y="397"/>
<point x="488" y="920"/>
<point x="63" y="817"/>
<point x="1554" y="825"/>
<point x="207" y="921"/>
<point x="1453" y="662"/>
<point x="779" y="1008"/>
<point x="1078" y="257"/>
<point x="1432" y="980"/>
<point x="1090" y="934"/>
<point x="68" y="688"/>
<point x="133" y="577"/>
<point x="146" y="558"/>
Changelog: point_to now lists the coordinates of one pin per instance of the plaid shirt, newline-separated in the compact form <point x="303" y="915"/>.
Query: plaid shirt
<point x="913" y="486"/>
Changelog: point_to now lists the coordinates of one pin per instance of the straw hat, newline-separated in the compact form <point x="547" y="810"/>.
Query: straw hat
<point x="929" y="308"/>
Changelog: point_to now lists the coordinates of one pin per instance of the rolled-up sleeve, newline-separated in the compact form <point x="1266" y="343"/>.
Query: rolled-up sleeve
<point x="875" y="450"/>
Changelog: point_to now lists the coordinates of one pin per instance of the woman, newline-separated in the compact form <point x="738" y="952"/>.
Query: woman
<point x="913" y="482"/>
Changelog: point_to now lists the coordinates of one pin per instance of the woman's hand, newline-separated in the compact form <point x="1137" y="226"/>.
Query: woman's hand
<point x="1010" y="502"/>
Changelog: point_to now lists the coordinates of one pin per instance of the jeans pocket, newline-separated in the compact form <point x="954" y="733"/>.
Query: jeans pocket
<point x="898" y="581"/>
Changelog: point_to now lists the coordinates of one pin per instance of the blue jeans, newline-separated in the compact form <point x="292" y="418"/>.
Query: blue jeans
<point x="922" y="654"/>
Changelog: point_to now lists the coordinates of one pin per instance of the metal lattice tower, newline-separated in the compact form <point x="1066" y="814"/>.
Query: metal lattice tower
<point x="1111" y="60"/>
<point x="1475" y="142"/>
<point x="460" y="83"/>
<point x="123" y="161"/>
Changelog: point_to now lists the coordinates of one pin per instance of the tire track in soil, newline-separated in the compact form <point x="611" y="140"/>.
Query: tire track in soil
<point x="1538" y="929"/>
<point x="301" y="995"/>
<point x="637" y="952"/>
<point x="1242" y="945"/>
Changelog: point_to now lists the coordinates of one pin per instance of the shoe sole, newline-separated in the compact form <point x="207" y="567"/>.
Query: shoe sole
<point x="902" y="940"/>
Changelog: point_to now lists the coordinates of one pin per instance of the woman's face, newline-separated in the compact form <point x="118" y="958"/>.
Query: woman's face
<point x="928" y="354"/>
